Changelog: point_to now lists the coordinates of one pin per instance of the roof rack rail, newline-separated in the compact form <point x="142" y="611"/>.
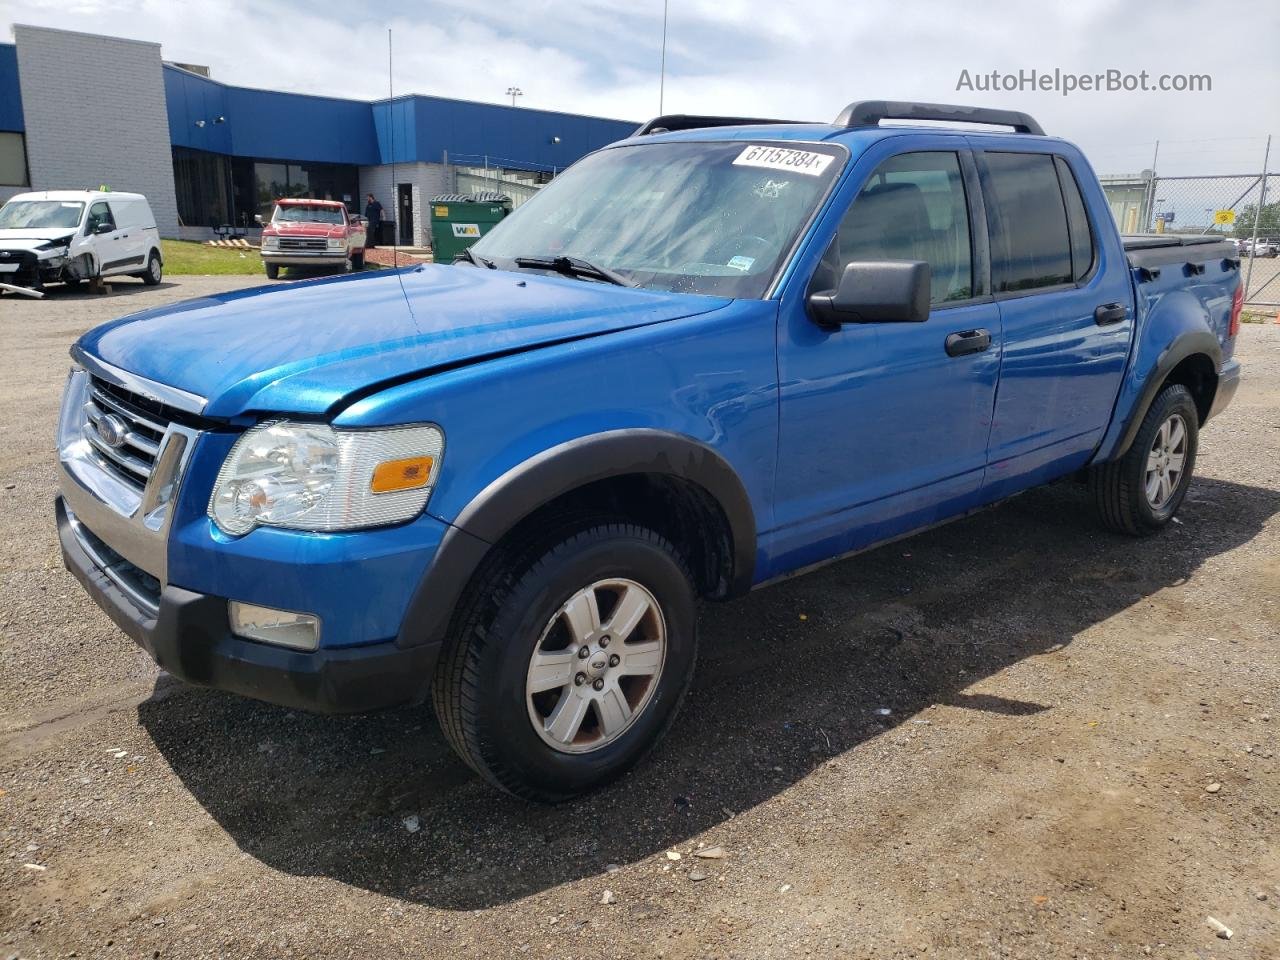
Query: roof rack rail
<point x="869" y="113"/>
<point x="685" y="121"/>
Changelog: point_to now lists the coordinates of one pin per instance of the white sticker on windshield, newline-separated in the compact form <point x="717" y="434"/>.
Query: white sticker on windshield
<point x="741" y="263"/>
<point x="809" y="162"/>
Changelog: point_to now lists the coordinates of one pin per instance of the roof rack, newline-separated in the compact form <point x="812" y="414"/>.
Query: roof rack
<point x="684" y="121"/>
<point x="869" y="113"/>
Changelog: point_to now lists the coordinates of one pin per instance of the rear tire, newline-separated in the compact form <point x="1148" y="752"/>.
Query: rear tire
<point x="154" y="272"/>
<point x="532" y="634"/>
<point x="357" y="260"/>
<point x="273" y="270"/>
<point x="1139" y="493"/>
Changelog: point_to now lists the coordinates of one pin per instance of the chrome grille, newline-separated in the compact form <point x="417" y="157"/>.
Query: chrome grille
<point x="303" y="243"/>
<point x="123" y="433"/>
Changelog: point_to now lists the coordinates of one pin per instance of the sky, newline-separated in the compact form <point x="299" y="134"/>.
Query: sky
<point x="799" y="60"/>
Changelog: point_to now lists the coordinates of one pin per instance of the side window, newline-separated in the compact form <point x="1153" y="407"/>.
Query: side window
<point x="912" y="208"/>
<point x="99" y="214"/>
<point x="1030" y="243"/>
<point x="1082" y="245"/>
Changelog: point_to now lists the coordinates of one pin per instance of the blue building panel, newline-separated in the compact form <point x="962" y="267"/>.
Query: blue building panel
<point x="10" y="97"/>
<point x="508" y="136"/>
<point x="268" y="125"/>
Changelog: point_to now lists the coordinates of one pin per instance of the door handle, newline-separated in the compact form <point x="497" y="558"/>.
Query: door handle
<point x="968" y="341"/>
<point x="1110" y="313"/>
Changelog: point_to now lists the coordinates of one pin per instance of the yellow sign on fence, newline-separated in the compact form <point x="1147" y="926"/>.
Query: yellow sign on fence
<point x="1222" y="217"/>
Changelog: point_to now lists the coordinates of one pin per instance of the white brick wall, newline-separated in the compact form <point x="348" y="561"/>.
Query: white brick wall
<point x="95" y="114"/>
<point x="428" y="180"/>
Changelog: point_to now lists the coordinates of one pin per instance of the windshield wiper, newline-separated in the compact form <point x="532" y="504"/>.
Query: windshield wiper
<point x="574" y="267"/>
<point x="479" y="261"/>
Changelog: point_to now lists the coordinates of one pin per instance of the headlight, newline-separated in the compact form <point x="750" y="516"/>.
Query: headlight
<point x="337" y="243"/>
<point x="312" y="477"/>
<point x="270" y="243"/>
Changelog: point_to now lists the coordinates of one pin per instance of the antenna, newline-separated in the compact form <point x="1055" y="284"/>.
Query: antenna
<point x="391" y="125"/>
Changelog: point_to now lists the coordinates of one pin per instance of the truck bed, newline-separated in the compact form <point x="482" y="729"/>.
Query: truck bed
<point x="1150" y="250"/>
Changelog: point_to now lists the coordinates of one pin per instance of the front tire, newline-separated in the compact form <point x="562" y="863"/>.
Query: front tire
<point x="1139" y="493"/>
<point x="569" y="658"/>
<point x="273" y="270"/>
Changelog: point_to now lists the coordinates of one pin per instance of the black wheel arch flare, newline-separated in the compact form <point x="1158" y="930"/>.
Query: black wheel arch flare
<point x="560" y="470"/>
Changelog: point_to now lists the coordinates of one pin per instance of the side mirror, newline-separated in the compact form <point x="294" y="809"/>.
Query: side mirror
<point x="875" y="291"/>
<point x="257" y="218"/>
<point x="104" y="228"/>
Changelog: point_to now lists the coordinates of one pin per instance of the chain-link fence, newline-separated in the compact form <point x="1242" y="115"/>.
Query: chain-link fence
<point x="1244" y="209"/>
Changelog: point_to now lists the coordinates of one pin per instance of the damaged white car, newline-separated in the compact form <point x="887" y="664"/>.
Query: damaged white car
<point x="73" y="235"/>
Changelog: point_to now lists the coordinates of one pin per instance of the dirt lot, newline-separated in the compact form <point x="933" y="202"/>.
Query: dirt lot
<point x="1062" y="702"/>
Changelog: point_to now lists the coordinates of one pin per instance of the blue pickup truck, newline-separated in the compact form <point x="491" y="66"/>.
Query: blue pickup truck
<point x="709" y="356"/>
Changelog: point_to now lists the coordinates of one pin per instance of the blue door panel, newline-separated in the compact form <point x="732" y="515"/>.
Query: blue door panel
<point x="880" y="430"/>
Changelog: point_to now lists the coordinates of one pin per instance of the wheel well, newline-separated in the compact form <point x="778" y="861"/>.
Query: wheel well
<point x="680" y="510"/>
<point x="1198" y="374"/>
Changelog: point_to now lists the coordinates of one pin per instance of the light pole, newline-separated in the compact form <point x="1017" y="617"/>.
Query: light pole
<point x="514" y="92"/>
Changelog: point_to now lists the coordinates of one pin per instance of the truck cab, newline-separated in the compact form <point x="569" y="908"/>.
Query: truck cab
<point x="712" y="355"/>
<point x="312" y="233"/>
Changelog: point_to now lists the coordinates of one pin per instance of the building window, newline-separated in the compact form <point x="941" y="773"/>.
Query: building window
<point x="13" y="160"/>
<point x="313" y="181"/>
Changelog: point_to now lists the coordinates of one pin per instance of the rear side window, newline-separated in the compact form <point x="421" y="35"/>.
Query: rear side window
<point x="1030" y="242"/>
<point x="1077" y="221"/>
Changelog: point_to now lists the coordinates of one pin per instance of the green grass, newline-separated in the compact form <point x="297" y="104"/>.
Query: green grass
<point x="182" y="257"/>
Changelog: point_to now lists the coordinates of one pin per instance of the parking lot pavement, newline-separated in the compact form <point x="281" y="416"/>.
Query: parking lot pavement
<point x="1015" y="736"/>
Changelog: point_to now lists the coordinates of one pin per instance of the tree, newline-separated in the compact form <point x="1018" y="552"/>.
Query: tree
<point x="1268" y="225"/>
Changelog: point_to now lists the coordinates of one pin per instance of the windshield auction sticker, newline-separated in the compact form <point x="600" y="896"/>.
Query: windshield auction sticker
<point x="808" y="162"/>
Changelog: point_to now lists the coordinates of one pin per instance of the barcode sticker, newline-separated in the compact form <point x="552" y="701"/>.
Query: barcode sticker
<point x="809" y="162"/>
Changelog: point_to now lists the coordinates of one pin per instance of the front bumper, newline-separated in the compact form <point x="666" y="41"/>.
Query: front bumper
<point x="1228" y="383"/>
<point x="304" y="258"/>
<point x="189" y="636"/>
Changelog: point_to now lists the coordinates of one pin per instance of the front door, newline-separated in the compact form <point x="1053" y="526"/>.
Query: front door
<point x="404" y="214"/>
<point x="1065" y="312"/>
<point x="105" y="239"/>
<point x="882" y="429"/>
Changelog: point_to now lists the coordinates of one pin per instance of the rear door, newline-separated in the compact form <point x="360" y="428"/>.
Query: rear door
<point x="882" y="428"/>
<point x="1063" y="291"/>
<point x="133" y="236"/>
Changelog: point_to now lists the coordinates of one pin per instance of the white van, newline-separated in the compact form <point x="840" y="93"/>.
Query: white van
<point x="74" y="235"/>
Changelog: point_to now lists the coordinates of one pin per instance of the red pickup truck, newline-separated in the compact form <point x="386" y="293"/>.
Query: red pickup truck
<point x="305" y="233"/>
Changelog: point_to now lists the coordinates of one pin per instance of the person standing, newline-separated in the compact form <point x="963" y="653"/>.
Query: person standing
<point x="372" y="213"/>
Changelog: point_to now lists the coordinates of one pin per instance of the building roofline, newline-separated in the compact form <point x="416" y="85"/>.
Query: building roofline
<point x="380" y="101"/>
<point x="83" y="33"/>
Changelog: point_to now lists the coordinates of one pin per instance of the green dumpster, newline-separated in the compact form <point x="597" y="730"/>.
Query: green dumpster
<point x="458" y="221"/>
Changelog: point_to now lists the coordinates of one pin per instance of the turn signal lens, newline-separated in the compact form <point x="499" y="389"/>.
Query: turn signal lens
<point x="411" y="473"/>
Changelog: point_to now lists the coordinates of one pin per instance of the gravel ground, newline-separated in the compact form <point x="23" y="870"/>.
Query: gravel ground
<point x="1015" y="736"/>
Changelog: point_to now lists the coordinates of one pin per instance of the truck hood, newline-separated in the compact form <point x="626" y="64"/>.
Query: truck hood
<point x="305" y="347"/>
<point x="29" y="239"/>
<point x="304" y="229"/>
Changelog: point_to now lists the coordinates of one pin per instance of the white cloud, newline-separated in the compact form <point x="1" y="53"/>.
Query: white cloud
<point x="748" y="57"/>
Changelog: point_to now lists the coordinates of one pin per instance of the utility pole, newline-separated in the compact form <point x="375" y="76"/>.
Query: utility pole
<point x="514" y="92"/>
<point x="662" y="69"/>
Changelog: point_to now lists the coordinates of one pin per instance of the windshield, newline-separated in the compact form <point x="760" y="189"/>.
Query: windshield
<point x="691" y="217"/>
<point x="302" y="214"/>
<point x="40" y="214"/>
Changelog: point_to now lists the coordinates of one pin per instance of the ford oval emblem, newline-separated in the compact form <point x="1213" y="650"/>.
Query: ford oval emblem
<point x="112" y="431"/>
